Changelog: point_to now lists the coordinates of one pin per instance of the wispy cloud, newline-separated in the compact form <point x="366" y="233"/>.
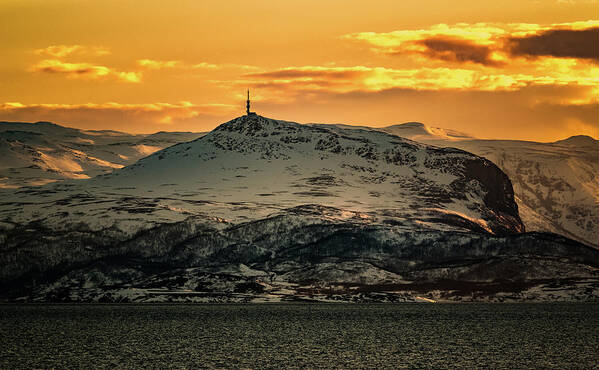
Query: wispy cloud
<point x="177" y="64"/>
<point x="361" y="78"/>
<point x="77" y="69"/>
<point x="84" y="70"/>
<point x="60" y="51"/>
<point x="158" y="64"/>
<point x="204" y="65"/>
<point x="94" y="71"/>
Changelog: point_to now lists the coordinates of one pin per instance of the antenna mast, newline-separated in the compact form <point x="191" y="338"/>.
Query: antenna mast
<point x="247" y="106"/>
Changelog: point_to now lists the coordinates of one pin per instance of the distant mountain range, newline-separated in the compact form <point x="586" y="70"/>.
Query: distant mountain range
<point x="43" y="152"/>
<point x="267" y="210"/>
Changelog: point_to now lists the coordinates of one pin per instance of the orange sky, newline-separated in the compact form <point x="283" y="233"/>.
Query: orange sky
<point x="526" y="69"/>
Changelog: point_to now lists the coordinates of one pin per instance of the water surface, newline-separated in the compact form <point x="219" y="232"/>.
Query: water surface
<point x="299" y="335"/>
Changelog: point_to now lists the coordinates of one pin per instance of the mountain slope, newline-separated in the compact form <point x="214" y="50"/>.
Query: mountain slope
<point x="555" y="184"/>
<point x="253" y="166"/>
<point x="273" y="210"/>
<point x="43" y="152"/>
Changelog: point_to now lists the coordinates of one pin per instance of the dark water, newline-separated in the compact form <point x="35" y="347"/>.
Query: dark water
<point x="300" y="335"/>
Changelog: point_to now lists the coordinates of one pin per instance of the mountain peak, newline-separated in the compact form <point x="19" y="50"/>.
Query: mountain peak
<point x="419" y="131"/>
<point x="253" y="125"/>
<point x="409" y="125"/>
<point x="578" y="140"/>
<point x="247" y="124"/>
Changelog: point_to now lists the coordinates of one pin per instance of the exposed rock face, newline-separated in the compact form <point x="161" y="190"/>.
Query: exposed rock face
<point x="274" y="210"/>
<point x="500" y="196"/>
<point x="555" y="184"/>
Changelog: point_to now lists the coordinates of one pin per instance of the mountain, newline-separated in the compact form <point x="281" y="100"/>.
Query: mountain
<point x="415" y="131"/>
<point x="43" y="152"/>
<point x="267" y="210"/>
<point x="579" y="141"/>
<point x="555" y="184"/>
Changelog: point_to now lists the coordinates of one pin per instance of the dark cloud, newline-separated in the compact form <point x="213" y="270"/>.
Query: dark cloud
<point x="457" y="50"/>
<point x="582" y="44"/>
<point x="309" y="73"/>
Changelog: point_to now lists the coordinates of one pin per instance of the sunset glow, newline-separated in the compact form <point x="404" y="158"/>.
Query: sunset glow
<point x="519" y="70"/>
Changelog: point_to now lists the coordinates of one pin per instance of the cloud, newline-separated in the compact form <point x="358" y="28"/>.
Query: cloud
<point x="482" y="33"/>
<point x="83" y="70"/>
<point x="460" y="43"/>
<point x="560" y="43"/>
<point x="412" y="40"/>
<point x="205" y="65"/>
<point x="158" y="64"/>
<point x="300" y="80"/>
<point x="124" y="117"/>
<point x="133" y="77"/>
<point x="91" y="71"/>
<point x="488" y="44"/>
<point x="313" y="72"/>
<point x="177" y="64"/>
<point x="60" y="51"/>
<point x="459" y="51"/>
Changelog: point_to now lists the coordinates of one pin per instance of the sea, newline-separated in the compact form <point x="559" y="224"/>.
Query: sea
<point x="300" y="335"/>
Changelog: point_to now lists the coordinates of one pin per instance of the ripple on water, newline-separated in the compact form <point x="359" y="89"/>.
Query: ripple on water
<point x="300" y="335"/>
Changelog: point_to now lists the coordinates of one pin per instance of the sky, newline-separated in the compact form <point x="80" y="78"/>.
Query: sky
<point x="514" y="69"/>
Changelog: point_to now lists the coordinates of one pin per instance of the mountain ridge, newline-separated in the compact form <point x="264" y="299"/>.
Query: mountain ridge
<point x="561" y="201"/>
<point x="267" y="210"/>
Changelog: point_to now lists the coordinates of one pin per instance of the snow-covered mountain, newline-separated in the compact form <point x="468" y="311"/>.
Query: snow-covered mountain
<point x="252" y="166"/>
<point x="273" y="210"/>
<point x="415" y="131"/>
<point x="556" y="184"/>
<point x="43" y="152"/>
